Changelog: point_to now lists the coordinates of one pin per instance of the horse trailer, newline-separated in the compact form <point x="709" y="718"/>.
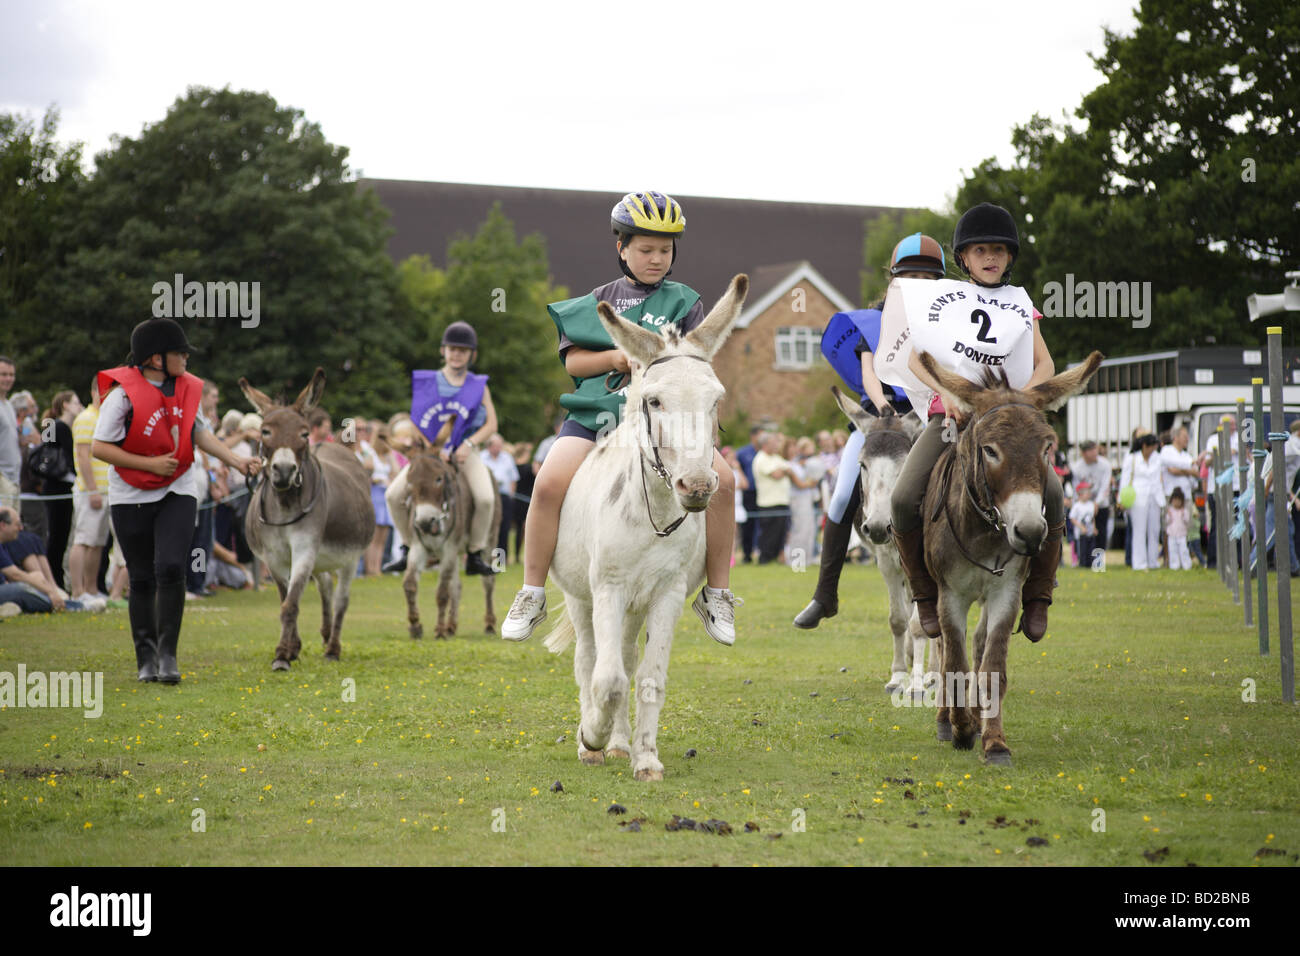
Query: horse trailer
<point x="1162" y="390"/>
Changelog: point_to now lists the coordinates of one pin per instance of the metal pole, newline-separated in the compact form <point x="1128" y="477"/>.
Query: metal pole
<point x="1261" y="546"/>
<point x="1282" y="554"/>
<point x="1230" y="565"/>
<point x="1216" y="466"/>
<point x="1243" y="469"/>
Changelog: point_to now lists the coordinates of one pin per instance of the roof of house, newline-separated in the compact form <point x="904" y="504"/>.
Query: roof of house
<point x="769" y="283"/>
<point x="723" y="236"/>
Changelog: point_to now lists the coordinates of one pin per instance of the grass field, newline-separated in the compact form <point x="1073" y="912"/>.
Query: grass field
<point x="1130" y="712"/>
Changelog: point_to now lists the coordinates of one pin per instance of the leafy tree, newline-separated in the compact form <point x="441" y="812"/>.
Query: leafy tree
<point x="1182" y="172"/>
<point x="501" y="287"/>
<point x="231" y="187"/>
<point x="38" y="179"/>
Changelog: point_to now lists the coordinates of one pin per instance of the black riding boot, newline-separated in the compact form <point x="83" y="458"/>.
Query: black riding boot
<point x="835" y="547"/>
<point x="146" y="654"/>
<point x="144" y="631"/>
<point x="475" y="564"/>
<point x="171" y="609"/>
<point x="397" y="564"/>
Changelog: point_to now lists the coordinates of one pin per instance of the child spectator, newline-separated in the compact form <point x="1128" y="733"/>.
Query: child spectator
<point x="1176" y="522"/>
<point x="1083" y="518"/>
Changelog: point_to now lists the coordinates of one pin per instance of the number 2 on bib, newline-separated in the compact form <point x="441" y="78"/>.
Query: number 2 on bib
<point x="982" y="317"/>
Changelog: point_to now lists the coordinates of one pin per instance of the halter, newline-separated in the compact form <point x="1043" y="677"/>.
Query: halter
<point x="991" y="514"/>
<point x="297" y="483"/>
<point x="658" y="466"/>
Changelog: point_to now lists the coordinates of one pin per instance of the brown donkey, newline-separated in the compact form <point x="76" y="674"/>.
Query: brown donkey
<point x="311" y="516"/>
<point x="983" y="517"/>
<point x="434" y="519"/>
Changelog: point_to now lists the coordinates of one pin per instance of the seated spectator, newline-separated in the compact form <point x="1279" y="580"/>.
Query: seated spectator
<point x="25" y="572"/>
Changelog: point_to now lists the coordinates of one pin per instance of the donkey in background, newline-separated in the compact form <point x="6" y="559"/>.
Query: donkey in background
<point x="983" y="516"/>
<point x="886" y="441"/>
<point x="310" y="517"/>
<point x="433" y="509"/>
<point x="617" y="571"/>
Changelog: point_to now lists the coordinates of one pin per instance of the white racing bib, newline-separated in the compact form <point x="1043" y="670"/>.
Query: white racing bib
<point x="967" y="329"/>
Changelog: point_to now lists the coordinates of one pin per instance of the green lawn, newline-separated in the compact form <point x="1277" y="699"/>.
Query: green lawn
<point x="1133" y="705"/>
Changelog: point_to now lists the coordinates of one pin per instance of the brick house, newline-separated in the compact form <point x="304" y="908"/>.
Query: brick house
<point x="771" y="365"/>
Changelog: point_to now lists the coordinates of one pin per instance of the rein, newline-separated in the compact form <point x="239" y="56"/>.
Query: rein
<point x="658" y="466"/>
<point x="320" y="483"/>
<point x="990" y="514"/>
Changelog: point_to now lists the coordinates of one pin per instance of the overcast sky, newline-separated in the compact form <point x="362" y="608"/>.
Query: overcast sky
<point x="864" y="103"/>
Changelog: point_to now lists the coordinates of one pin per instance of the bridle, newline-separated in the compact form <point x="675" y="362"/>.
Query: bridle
<point x="297" y="483"/>
<point x="990" y="513"/>
<point x="658" y="466"/>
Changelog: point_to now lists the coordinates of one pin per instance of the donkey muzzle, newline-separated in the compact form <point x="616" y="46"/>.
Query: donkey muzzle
<point x="879" y="534"/>
<point x="694" y="494"/>
<point x="284" y="477"/>
<point x="1028" y="536"/>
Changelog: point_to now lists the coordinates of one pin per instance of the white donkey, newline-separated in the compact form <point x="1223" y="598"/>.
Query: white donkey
<point x="886" y="442"/>
<point x="631" y="536"/>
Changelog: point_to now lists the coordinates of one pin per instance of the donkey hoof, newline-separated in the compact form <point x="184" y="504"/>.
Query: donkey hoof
<point x="332" y="657"/>
<point x="649" y="775"/>
<point x="998" y="758"/>
<point x="616" y="753"/>
<point x="279" y="664"/>
<point x="943" y="731"/>
<point x="417" y="631"/>
<point x="592" y="758"/>
<point x="489" y="629"/>
<point x="963" y="741"/>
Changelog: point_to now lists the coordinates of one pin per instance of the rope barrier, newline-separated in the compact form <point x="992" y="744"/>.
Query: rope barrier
<point x="209" y="504"/>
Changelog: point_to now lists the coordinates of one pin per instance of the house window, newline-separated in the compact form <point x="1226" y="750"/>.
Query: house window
<point x="796" y="346"/>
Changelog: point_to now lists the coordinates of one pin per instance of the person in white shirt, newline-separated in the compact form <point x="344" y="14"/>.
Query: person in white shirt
<point x="1179" y="466"/>
<point x="1094" y="468"/>
<point x="502" y="465"/>
<point x="1144" y="517"/>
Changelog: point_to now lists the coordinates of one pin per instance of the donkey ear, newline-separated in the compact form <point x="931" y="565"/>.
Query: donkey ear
<point x="713" y="331"/>
<point x="260" y="401"/>
<point x="309" y="397"/>
<point x="853" y="410"/>
<point x="912" y="425"/>
<point x="641" y="345"/>
<point x="1053" y="393"/>
<point x="955" y="391"/>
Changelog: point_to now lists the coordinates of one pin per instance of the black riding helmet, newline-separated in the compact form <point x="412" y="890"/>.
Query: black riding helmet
<point x="461" y="334"/>
<point x="986" y="223"/>
<point x="157" y="337"/>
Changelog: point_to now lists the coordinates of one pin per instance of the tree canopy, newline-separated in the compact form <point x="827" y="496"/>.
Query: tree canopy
<point x="1182" y="172"/>
<point x="228" y="187"/>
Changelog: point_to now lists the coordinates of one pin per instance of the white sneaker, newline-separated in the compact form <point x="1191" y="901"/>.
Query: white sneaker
<point x="526" y="613"/>
<point x="9" y="609"/>
<point x="717" y="613"/>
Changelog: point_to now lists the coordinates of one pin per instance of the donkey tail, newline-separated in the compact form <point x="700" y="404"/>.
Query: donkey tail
<point x="562" y="634"/>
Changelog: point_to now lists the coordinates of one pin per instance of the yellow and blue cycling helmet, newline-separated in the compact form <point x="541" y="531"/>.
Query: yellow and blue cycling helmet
<point x="648" y="213"/>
